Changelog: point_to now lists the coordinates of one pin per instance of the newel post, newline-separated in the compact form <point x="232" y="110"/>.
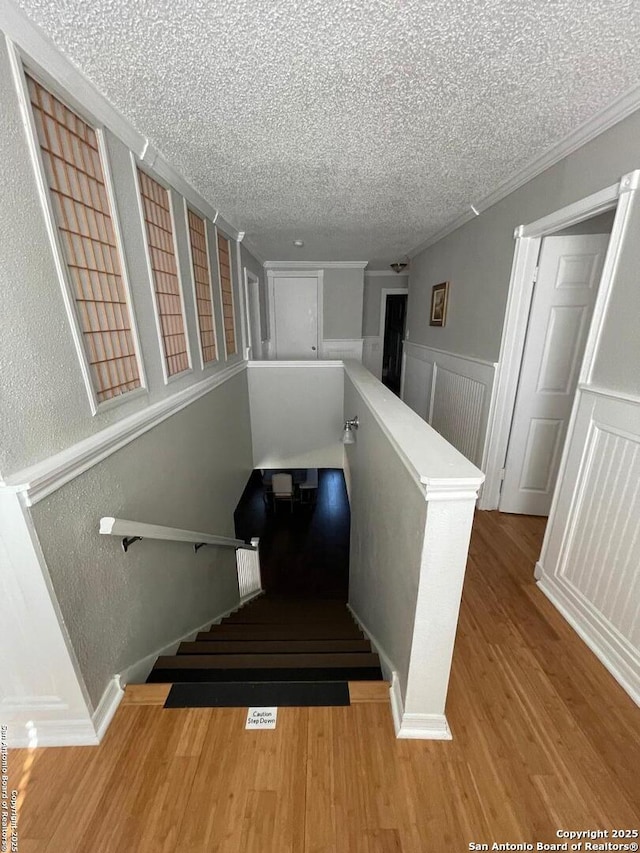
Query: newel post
<point x="445" y="549"/>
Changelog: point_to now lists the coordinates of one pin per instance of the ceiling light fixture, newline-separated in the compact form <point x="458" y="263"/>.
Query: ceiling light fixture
<point x="347" y="436"/>
<point x="298" y="243"/>
<point x="398" y="266"/>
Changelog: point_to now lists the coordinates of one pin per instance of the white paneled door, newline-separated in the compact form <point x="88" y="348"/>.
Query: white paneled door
<point x="296" y="317"/>
<point x="569" y="272"/>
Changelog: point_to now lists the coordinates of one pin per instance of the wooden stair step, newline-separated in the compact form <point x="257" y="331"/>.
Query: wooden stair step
<point x="146" y="694"/>
<point x="339" y="673"/>
<point x="269" y="661"/>
<point x="289" y="618"/>
<point x="218" y="647"/>
<point x="298" y="630"/>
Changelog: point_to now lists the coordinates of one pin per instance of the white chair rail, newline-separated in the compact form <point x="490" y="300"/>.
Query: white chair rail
<point x="132" y="531"/>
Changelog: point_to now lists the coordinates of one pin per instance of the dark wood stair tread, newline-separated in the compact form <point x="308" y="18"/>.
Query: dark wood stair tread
<point x="218" y="647"/>
<point x="269" y="661"/>
<point x="284" y="631"/>
<point x="341" y="673"/>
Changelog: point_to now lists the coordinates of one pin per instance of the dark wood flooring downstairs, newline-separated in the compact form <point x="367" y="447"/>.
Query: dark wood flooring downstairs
<point x="304" y="553"/>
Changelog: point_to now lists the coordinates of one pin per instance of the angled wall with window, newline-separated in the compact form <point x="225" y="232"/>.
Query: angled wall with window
<point x="118" y="397"/>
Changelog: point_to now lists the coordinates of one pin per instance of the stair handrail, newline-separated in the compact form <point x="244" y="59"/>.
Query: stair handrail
<point x="133" y="531"/>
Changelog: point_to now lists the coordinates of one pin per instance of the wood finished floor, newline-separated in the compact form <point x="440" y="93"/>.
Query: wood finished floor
<point x="544" y="739"/>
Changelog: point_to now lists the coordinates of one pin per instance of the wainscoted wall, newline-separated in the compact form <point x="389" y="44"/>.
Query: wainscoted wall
<point x="372" y="350"/>
<point x="341" y="350"/>
<point x="452" y="393"/>
<point x="589" y="563"/>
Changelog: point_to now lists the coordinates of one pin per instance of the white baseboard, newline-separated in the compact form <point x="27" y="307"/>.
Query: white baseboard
<point x="137" y="672"/>
<point x="587" y="623"/>
<point x="54" y="733"/>
<point x="416" y="726"/>
<point x="107" y="707"/>
<point x="387" y="667"/>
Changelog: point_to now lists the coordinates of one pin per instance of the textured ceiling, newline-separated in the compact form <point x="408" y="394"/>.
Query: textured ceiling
<point x="360" y="127"/>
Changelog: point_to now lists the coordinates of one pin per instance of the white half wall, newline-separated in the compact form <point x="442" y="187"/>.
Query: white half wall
<point x="412" y="498"/>
<point x="296" y="413"/>
<point x="452" y="393"/>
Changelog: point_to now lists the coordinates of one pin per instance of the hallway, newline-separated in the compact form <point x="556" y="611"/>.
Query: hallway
<point x="304" y="552"/>
<point x="544" y="740"/>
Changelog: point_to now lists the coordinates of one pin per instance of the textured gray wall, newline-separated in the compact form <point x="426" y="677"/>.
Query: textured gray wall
<point x="343" y="303"/>
<point x="187" y="472"/>
<point x="388" y="516"/>
<point x="292" y="426"/>
<point x="477" y="257"/>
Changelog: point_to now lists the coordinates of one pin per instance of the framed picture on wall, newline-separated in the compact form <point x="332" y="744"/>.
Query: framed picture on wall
<point x="439" y="298"/>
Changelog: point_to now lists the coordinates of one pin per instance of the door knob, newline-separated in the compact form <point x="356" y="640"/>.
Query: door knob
<point x="313" y="348"/>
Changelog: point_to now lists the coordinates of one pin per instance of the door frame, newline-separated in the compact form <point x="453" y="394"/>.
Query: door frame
<point x="251" y="280"/>
<point x="318" y="274"/>
<point x="619" y="196"/>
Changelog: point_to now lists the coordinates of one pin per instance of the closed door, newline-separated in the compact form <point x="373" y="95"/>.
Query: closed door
<point x="569" y="272"/>
<point x="296" y="317"/>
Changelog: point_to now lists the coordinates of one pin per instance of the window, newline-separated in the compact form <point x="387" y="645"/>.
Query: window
<point x="80" y="206"/>
<point x="156" y="207"/>
<point x="202" y="282"/>
<point x="226" y="287"/>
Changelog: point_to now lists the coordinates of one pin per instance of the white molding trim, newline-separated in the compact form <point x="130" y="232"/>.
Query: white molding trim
<point x="311" y="363"/>
<point x="387" y="666"/>
<point x="45" y="477"/>
<point x="341" y="348"/>
<point x="314" y="265"/>
<point x="136" y="673"/>
<point x="422" y="350"/>
<point x="622" y="107"/>
<point x="591" y="628"/>
<point x="107" y="707"/>
<point x="606" y="392"/>
<point x="381" y="273"/>
<point x="55" y="733"/>
<point x="517" y="315"/>
<point x="416" y="726"/>
<point x="39" y="51"/>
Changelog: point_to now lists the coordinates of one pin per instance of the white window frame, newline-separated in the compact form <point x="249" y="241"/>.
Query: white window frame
<point x="136" y="164"/>
<point x="20" y="66"/>
<point x="230" y="240"/>
<point x="209" y="365"/>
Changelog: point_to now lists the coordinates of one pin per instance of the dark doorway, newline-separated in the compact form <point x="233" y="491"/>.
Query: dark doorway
<point x="393" y="336"/>
<point x="303" y="552"/>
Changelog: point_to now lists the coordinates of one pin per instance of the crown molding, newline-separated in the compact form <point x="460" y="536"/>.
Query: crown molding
<point x="37" y="50"/>
<point x="390" y="274"/>
<point x="618" y="110"/>
<point x="308" y="265"/>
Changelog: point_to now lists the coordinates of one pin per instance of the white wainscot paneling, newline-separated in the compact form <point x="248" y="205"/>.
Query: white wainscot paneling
<point x="372" y="348"/>
<point x="340" y="350"/>
<point x="590" y="563"/>
<point x="453" y="393"/>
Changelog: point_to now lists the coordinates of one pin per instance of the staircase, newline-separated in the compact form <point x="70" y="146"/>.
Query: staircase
<point x="275" y="651"/>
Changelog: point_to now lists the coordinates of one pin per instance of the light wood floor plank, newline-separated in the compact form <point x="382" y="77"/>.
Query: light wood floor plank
<point x="544" y="738"/>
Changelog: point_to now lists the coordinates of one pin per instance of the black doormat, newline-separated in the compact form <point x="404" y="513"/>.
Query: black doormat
<point x="258" y="694"/>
